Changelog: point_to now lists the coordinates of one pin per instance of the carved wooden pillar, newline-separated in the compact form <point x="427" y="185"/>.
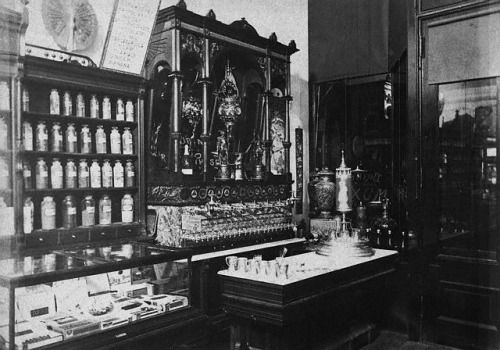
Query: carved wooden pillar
<point x="176" y="93"/>
<point x="205" y="81"/>
<point x="288" y="100"/>
<point x="268" y="142"/>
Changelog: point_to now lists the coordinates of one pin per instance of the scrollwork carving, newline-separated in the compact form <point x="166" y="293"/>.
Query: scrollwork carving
<point x="192" y="44"/>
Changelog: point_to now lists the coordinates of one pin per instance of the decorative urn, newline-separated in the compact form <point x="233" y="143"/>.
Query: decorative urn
<point x="323" y="192"/>
<point x="313" y="202"/>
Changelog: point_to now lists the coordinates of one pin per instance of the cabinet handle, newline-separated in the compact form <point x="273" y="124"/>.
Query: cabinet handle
<point x="40" y="239"/>
<point x="121" y="335"/>
<point x="103" y="233"/>
<point x="73" y="236"/>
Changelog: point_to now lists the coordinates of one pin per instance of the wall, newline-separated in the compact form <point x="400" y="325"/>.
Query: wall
<point x="289" y="22"/>
<point x="348" y="38"/>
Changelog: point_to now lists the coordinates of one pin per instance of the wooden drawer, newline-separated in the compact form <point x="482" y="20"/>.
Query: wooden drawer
<point x="42" y="239"/>
<point x="102" y="233"/>
<point x="75" y="236"/>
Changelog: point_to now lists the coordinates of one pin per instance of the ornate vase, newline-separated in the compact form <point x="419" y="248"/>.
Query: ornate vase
<point x="324" y="192"/>
<point x="313" y="202"/>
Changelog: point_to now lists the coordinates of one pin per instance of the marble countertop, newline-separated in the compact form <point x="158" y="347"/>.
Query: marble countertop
<point x="308" y="265"/>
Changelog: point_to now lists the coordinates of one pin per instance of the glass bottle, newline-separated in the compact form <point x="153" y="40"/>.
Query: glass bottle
<point x="4" y="174"/>
<point x="118" y="174"/>
<point x="129" y="111"/>
<point x="115" y="140"/>
<point x="25" y="100"/>
<point x="56" y="139"/>
<point x="127" y="141"/>
<point x="28" y="215"/>
<point x="71" y="174"/>
<point x="106" y="108"/>
<point x="127" y="208"/>
<point x="107" y="174"/>
<point x="27" y="136"/>
<point x="83" y="174"/>
<point x="94" y="107"/>
<point x="88" y="211"/>
<point x="56" y="174"/>
<point x="129" y="174"/>
<point x="69" y="212"/>
<point x="95" y="174"/>
<point x="71" y="139"/>
<point x="85" y="140"/>
<point x="55" y="107"/>
<point x="186" y="162"/>
<point x="100" y="140"/>
<point x="120" y="110"/>
<point x="4" y="135"/>
<point x="42" y="137"/>
<point x="105" y="210"/>
<point x="27" y="177"/>
<point x="80" y="105"/>
<point x="67" y="104"/>
<point x="41" y="175"/>
<point x="48" y="213"/>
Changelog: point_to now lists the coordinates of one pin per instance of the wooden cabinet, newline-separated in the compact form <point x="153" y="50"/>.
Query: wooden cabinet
<point x="81" y="130"/>
<point x="453" y="110"/>
<point x="218" y="138"/>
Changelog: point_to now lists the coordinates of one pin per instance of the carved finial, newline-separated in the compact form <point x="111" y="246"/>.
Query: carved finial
<point x="273" y="37"/>
<point x="342" y="163"/>
<point x="182" y="4"/>
<point x="211" y="14"/>
<point x="292" y="46"/>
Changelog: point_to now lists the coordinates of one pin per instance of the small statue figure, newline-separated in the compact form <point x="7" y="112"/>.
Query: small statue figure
<point x="222" y="151"/>
<point x="258" y="152"/>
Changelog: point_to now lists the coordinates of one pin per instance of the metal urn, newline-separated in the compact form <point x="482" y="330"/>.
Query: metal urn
<point x="323" y="192"/>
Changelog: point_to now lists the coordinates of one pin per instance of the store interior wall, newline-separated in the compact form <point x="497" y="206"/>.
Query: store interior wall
<point x="289" y="21"/>
<point x="348" y="38"/>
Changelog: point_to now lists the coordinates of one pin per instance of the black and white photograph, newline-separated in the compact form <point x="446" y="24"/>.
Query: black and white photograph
<point x="249" y="174"/>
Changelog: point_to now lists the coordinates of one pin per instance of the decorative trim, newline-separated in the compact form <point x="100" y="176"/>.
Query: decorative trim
<point x="278" y="68"/>
<point x="229" y="192"/>
<point x="192" y="44"/>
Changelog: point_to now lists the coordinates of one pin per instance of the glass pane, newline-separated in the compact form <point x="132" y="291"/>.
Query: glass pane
<point x="467" y="170"/>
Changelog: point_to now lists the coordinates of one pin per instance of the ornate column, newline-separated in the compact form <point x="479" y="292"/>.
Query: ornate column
<point x="205" y="82"/>
<point x="176" y="93"/>
<point x="268" y="142"/>
<point x="288" y="99"/>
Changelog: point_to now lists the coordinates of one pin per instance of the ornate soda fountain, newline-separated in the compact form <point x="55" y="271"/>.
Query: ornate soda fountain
<point x="229" y="112"/>
<point x="343" y="197"/>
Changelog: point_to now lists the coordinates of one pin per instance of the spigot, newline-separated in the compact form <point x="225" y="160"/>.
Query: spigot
<point x="291" y="201"/>
<point x="210" y="206"/>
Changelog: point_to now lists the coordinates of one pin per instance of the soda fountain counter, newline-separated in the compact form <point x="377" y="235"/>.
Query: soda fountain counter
<point x="307" y="300"/>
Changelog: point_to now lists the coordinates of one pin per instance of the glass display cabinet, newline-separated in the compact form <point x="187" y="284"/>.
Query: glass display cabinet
<point x="80" y="153"/>
<point x="92" y="296"/>
<point x="217" y="129"/>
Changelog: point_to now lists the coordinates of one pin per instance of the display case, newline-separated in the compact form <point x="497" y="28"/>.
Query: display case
<point x="80" y="152"/>
<point x="92" y="296"/>
<point x="217" y="128"/>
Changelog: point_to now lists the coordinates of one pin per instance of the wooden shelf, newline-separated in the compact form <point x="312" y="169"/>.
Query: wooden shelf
<point x="114" y="225"/>
<point x="66" y="191"/>
<point x="68" y="155"/>
<point x="38" y="117"/>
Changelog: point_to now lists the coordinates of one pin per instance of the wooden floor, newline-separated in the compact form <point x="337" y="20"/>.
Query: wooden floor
<point x="385" y="341"/>
<point x="396" y="341"/>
